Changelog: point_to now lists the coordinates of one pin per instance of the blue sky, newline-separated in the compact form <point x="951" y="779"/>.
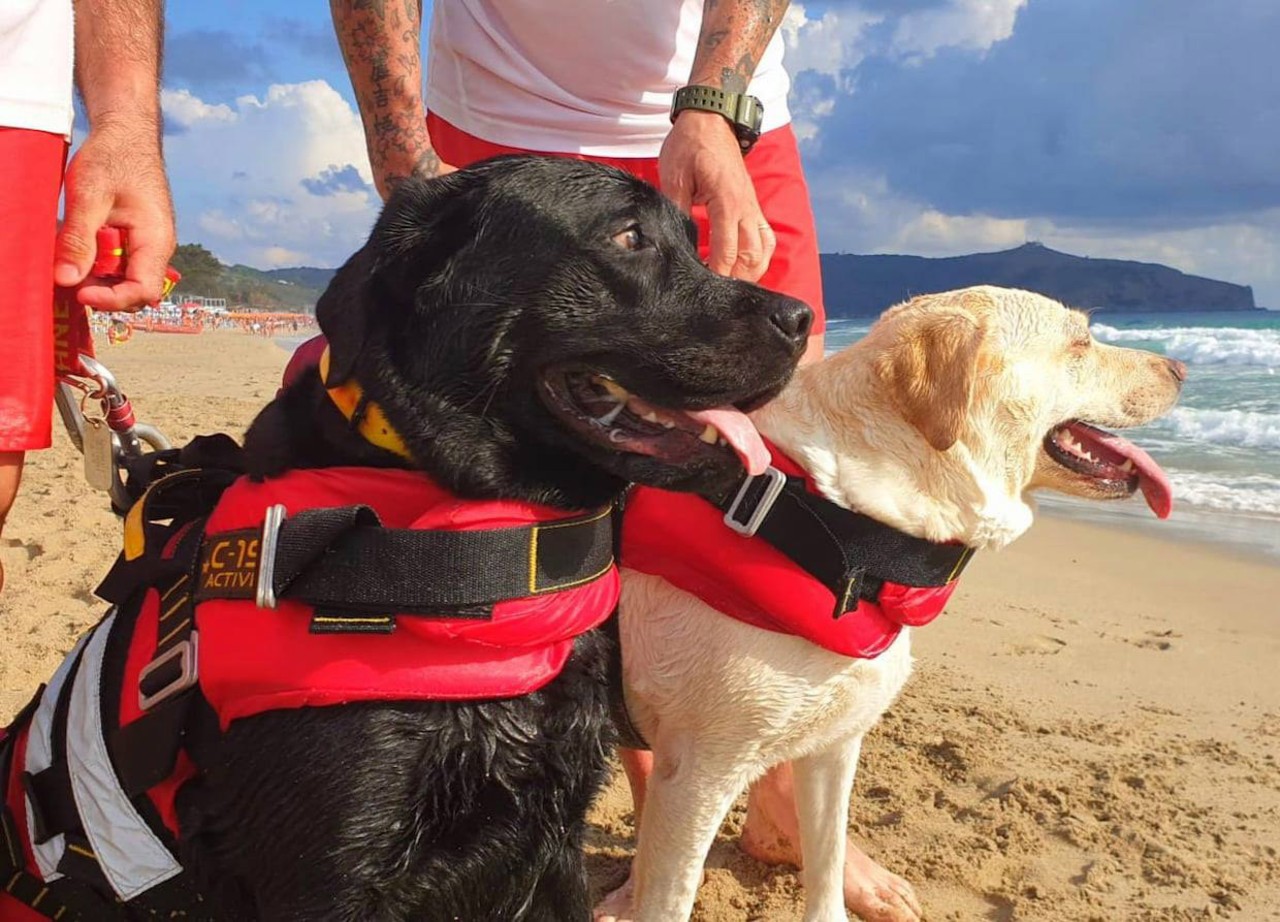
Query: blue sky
<point x="1140" y="129"/>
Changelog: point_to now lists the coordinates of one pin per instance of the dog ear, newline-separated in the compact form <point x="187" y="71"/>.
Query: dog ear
<point x="931" y="372"/>
<point x="341" y="312"/>
<point x="417" y="232"/>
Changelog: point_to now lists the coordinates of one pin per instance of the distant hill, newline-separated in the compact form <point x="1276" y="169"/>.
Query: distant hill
<point x="866" y="285"/>
<point x="859" y="286"/>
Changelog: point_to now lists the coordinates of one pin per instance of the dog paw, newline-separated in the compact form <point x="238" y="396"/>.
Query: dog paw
<point x="616" y="905"/>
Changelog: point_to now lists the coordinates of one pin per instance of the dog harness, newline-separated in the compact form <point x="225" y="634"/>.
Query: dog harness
<point x="234" y="597"/>
<point x="777" y="555"/>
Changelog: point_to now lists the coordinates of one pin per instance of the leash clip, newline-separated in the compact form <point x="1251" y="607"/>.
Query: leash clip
<point x="265" y="597"/>
<point x="775" y="480"/>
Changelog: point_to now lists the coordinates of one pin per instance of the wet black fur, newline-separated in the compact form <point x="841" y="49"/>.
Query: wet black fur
<point x="468" y="287"/>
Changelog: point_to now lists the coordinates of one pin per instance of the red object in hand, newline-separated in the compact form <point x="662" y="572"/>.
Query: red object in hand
<point x="71" y="335"/>
<point x="112" y="256"/>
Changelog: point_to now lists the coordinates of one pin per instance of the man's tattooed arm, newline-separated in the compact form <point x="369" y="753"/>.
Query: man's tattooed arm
<point x="381" y="42"/>
<point x="733" y="38"/>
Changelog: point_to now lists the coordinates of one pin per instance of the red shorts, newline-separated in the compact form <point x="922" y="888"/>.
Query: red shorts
<point x="31" y="166"/>
<point x="775" y="171"/>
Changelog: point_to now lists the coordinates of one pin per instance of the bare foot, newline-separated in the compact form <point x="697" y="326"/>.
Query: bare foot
<point x="616" y="906"/>
<point x="870" y="891"/>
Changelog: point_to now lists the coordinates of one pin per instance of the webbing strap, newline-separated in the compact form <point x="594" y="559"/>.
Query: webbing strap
<point x="851" y="554"/>
<point x="343" y="559"/>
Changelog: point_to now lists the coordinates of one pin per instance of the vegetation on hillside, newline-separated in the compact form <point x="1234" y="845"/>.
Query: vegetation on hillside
<point x="244" y="286"/>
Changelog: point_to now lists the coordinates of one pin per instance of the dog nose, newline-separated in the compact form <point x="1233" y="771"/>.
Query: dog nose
<point x="1177" y="369"/>
<point x="793" y="319"/>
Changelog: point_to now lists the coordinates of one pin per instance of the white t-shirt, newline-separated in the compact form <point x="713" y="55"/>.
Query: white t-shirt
<point x="574" y="76"/>
<point x="37" y="47"/>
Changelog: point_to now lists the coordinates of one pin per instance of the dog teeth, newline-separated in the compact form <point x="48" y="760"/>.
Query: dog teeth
<point x="608" y="418"/>
<point x="709" y="435"/>
<point x="650" y="417"/>
<point x="668" y="424"/>
<point x="1127" y="467"/>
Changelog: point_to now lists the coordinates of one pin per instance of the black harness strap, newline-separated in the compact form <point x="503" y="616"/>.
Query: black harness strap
<point x="343" y="562"/>
<point x="851" y="554"/>
<point x="629" y="735"/>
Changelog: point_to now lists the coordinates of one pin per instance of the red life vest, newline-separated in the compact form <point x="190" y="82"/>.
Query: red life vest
<point x="683" y="539"/>
<point x="252" y="660"/>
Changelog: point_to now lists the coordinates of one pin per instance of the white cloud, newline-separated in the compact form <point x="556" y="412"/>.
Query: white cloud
<point x="974" y="25"/>
<point x="183" y="109"/>
<point x="831" y="44"/>
<point x="238" y="172"/>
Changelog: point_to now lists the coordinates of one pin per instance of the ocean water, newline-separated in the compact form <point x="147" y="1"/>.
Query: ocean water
<point x="1220" y="446"/>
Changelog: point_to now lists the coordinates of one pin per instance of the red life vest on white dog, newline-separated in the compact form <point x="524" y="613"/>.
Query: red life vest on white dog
<point x="684" y="539"/>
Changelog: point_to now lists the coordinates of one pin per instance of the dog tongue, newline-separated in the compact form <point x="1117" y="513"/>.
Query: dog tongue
<point x="1156" y="489"/>
<point x="736" y="429"/>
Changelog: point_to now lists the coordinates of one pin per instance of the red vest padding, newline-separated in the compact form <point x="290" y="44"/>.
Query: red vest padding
<point x="253" y="660"/>
<point x="684" y="540"/>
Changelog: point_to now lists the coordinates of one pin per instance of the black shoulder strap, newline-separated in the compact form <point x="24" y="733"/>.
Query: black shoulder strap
<point x="343" y="560"/>
<point x="851" y="554"/>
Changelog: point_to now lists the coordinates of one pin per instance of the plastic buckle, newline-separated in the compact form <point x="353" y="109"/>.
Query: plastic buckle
<point x="185" y="653"/>
<point x="266" y="593"/>
<point x="772" y="490"/>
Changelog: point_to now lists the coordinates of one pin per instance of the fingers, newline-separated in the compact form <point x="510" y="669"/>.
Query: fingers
<point x="740" y="247"/>
<point x="756" y="243"/>
<point x="77" y="245"/>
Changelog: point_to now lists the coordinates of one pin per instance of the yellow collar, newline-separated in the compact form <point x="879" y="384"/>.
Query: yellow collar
<point x="373" y="424"/>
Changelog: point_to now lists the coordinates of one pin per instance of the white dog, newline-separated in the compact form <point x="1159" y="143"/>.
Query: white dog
<point x="939" y="423"/>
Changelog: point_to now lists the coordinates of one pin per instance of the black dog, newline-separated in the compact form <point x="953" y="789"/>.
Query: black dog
<point x="491" y="315"/>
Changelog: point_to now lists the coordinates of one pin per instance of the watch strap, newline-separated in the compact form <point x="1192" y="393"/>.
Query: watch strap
<point x="745" y="113"/>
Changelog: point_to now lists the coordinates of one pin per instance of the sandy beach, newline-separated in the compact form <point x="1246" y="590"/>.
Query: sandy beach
<point x="1092" y="732"/>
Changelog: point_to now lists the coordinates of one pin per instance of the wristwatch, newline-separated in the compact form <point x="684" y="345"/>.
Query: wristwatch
<point x="744" y="113"/>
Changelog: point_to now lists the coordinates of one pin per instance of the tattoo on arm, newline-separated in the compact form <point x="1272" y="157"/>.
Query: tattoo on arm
<point x="734" y="36"/>
<point x="381" y="45"/>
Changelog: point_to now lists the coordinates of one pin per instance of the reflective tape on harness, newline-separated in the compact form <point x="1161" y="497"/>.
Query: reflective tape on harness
<point x="40" y="756"/>
<point x="132" y="858"/>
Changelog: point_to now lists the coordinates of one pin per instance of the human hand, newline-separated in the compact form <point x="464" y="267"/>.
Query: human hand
<point x="117" y="178"/>
<point x="701" y="164"/>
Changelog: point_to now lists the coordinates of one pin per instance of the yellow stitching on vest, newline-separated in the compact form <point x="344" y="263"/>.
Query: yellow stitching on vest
<point x="176" y="605"/>
<point x="848" y="591"/>
<point x="331" y="620"/>
<point x="44" y="891"/>
<point x="79" y="850"/>
<point x="533" y="554"/>
<point x="58" y="915"/>
<point x="533" y="559"/>
<point x="8" y="888"/>
<point x="955" y="571"/>
<point x="181" y="624"/>
<point x="168" y="592"/>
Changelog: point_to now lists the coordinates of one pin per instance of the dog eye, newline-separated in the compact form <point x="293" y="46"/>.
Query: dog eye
<point x="629" y="239"/>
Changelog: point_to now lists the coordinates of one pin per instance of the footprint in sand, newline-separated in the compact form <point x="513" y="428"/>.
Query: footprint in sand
<point x="1039" y="645"/>
<point x="1156" y="640"/>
